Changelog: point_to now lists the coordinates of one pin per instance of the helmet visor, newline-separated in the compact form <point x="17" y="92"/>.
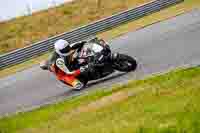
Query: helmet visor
<point x="65" y="50"/>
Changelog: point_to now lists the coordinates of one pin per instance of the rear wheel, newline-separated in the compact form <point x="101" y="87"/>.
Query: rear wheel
<point x="124" y="63"/>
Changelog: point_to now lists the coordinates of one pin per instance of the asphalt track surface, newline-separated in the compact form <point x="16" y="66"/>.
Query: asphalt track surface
<point x="157" y="48"/>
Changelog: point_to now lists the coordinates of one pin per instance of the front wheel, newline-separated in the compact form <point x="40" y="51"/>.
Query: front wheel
<point x="124" y="63"/>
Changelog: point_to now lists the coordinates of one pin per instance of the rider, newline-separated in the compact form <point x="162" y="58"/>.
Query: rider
<point x="67" y="58"/>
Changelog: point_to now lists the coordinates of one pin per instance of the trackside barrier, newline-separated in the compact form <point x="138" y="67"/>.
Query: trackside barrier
<point x="23" y="54"/>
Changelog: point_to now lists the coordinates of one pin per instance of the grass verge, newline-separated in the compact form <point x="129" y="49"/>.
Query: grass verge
<point x="160" y="104"/>
<point x="187" y="5"/>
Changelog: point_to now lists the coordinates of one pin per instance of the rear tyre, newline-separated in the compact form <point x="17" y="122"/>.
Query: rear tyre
<point x="124" y="63"/>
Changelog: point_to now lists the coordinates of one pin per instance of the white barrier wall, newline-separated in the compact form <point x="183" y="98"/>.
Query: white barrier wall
<point x="12" y="8"/>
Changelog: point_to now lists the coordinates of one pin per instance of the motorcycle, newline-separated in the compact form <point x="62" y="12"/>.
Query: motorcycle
<point x="116" y="62"/>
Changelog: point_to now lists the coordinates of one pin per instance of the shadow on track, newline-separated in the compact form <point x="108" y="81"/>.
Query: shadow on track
<point x="96" y="82"/>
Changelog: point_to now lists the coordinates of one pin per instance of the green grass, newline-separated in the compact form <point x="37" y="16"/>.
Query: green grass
<point x="50" y="112"/>
<point x="167" y="103"/>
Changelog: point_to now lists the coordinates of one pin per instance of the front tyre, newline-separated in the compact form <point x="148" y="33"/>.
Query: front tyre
<point x="124" y="63"/>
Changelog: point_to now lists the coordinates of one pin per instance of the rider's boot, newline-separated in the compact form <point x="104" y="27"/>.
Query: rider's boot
<point x="77" y="85"/>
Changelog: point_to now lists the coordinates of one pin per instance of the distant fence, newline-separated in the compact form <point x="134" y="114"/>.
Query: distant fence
<point x="21" y="55"/>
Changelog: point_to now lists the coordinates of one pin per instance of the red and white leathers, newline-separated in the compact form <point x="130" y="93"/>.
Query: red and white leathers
<point x="69" y="79"/>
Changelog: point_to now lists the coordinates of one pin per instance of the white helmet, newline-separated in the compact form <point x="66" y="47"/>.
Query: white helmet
<point x="62" y="47"/>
